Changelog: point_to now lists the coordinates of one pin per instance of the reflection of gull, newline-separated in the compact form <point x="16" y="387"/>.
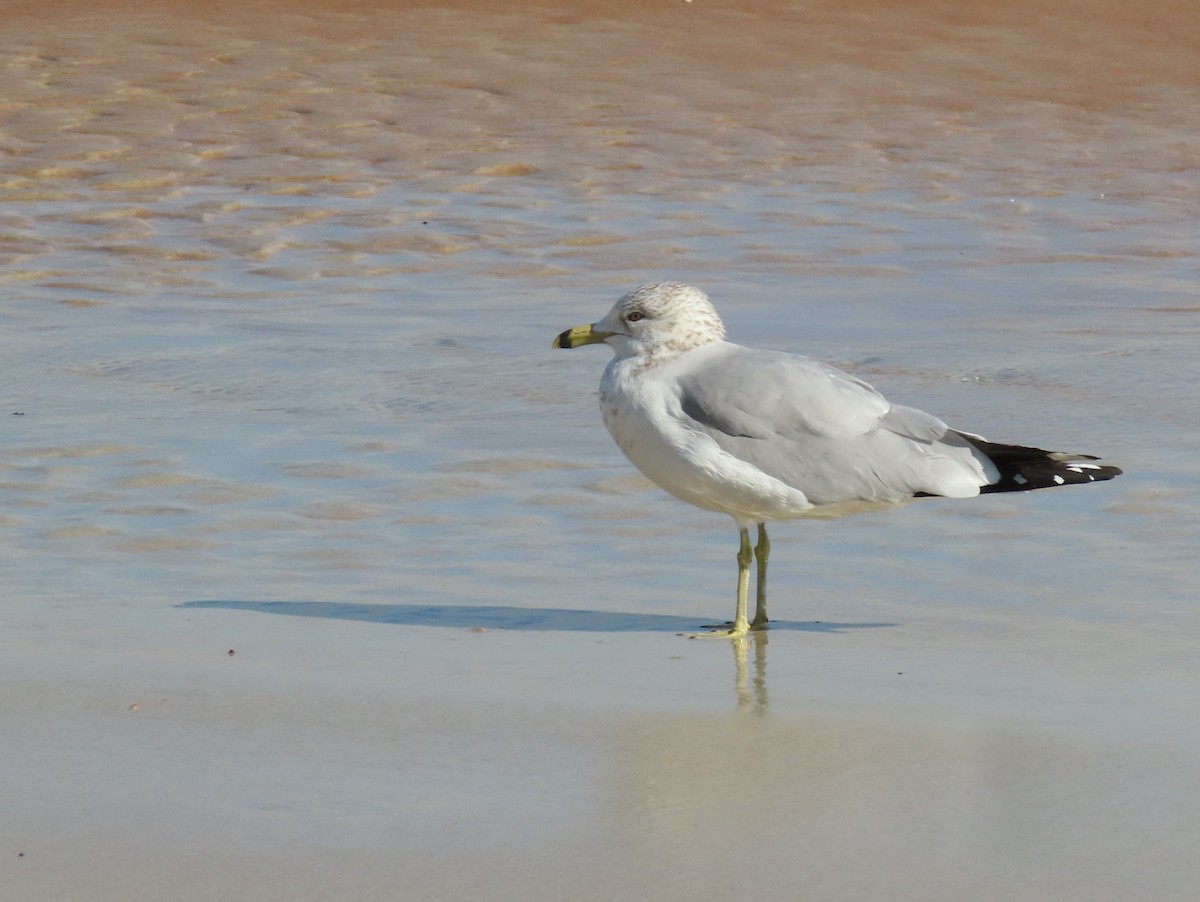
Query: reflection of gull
<point x="751" y="696"/>
<point x="762" y="435"/>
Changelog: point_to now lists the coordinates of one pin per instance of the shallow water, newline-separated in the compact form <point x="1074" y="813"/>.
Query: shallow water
<point x="279" y="289"/>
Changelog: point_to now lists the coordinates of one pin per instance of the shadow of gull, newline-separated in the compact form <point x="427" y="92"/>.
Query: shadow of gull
<point x="503" y="617"/>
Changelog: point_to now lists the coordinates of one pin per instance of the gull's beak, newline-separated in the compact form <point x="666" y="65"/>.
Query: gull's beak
<point x="580" y="335"/>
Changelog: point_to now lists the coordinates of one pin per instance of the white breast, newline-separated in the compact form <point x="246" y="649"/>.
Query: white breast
<point x="644" y="417"/>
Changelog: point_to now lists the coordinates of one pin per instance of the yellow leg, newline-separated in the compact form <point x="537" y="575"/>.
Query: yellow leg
<point x="761" y="552"/>
<point x="745" y="555"/>
<point x="741" y="624"/>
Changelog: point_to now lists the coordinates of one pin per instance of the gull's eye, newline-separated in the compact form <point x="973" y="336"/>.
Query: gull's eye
<point x="635" y="316"/>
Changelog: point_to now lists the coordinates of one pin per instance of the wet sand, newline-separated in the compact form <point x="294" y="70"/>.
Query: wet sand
<point x="321" y="579"/>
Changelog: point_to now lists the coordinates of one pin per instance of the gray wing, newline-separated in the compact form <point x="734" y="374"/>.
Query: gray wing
<point x="824" y="431"/>
<point x="763" y="394"/>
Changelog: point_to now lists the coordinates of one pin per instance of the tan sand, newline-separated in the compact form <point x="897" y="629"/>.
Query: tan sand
<point x="456" y="764"/>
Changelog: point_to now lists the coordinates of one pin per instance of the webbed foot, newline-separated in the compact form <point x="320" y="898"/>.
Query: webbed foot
<point x="726" y="630"/>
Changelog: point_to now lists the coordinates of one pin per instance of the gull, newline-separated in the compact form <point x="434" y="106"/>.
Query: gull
<point x="764" y="435"/>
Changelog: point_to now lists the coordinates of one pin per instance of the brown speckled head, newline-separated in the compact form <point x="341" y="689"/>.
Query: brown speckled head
<point x="653" y="323"/>
<point x="662" y="320"/>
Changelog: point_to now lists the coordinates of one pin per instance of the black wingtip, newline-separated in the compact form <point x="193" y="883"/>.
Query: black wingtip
<point x="1023" y="469"/>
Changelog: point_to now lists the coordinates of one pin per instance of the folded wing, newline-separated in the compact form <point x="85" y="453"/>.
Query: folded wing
<point x="825" y="432"/>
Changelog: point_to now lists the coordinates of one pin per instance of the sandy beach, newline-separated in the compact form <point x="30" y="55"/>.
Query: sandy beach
<point x="321" y="579"/>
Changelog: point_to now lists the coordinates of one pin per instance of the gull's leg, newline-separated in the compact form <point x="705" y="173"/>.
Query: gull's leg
<point x="741" y="624"/>
<point x="744" y="556"/>
<point x="761" y="552"/>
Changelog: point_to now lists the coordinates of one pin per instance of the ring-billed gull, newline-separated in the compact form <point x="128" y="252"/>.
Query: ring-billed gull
<point x="764" y="435"/>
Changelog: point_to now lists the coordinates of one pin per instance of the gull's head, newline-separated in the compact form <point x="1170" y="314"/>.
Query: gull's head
<point x="656" y="321"/>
